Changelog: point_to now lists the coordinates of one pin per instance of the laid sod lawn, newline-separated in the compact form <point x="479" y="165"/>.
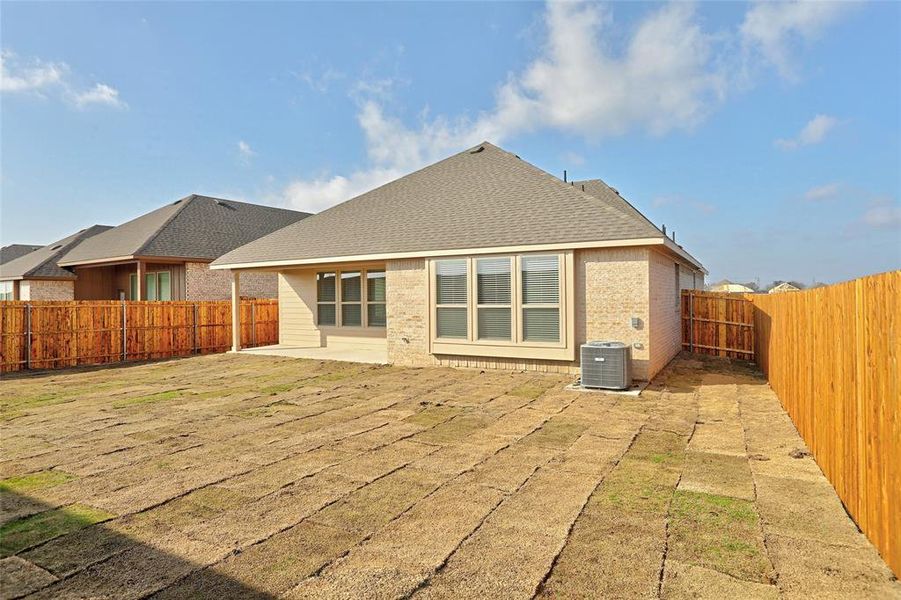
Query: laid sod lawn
<point x="261" y="477"/>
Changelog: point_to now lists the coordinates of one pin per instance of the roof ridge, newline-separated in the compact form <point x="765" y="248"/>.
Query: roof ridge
<point x="567" y="185"/>
<point x="183" y="202"/>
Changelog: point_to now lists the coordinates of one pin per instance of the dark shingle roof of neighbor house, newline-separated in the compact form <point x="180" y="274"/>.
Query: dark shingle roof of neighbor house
<point x="42" y="263"/>
<point x="14" y="251"/>
<point x="482" y="197"/>
<point x="198" y="227"/>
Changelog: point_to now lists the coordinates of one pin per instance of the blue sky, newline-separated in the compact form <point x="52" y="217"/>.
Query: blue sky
<point x="766" y="135"/>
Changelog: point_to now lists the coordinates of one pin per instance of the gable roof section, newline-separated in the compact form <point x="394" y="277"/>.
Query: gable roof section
<point x="198" y="227"/>
<point x="611" y="197"/>
<point x="14" y="251"/>
<point x="484" y="197"/>
<point x="43" y="262"/>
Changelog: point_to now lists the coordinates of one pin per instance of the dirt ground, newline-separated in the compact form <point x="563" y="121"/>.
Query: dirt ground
<point x="255" y="477"/>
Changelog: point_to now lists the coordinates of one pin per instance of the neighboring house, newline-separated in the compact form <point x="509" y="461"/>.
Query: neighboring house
<point x="727" y="286"/>
<point x="784" y="287"/>
<point x="165" y="254"/>
<point x="479" y="260"/>
<point x="36" y="275"/>
<point x="14" y="251"/>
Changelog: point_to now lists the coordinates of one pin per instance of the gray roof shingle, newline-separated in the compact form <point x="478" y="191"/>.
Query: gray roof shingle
<point x="198" y="227"/>
<point x="482" y="197"/>
<point x="42" y="263"/>
<point x="14" y="251"/>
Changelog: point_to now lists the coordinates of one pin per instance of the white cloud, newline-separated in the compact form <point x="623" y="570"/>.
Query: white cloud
<point x="36" y="77"/>
<point x="883" y="213"/>
<point x="813" y="132"/>
<point x="822" y="192"/>
<point x="99" y="94"/>
<point x="33" y="77"/>
<point x="772" y="30"/>
<point x="666" y="74"/>
<point x="245" y="152"/>
<point x="322" y="81"/>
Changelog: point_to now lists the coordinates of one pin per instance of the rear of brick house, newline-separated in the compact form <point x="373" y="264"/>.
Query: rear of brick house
<point x="479" y="260"/>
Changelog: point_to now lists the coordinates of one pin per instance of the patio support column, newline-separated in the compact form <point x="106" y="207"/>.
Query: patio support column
<point x="141" y="282"/>
<point x="236" y="311"/>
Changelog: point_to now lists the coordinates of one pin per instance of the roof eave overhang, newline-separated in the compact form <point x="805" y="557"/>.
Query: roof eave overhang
<point x="276" y="264"/>
<point x="117" y="260"/>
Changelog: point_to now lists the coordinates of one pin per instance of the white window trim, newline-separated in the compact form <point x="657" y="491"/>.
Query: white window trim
<point x="339" y="300"/>
<point x="564" y="349"/>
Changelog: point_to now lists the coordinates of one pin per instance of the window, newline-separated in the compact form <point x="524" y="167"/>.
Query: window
<point x="351" y="300"/>
<point x="341" y="299"/>
<point x="375" y="299"/>
<point x="325" y="299"/>
<point x="541" y="298"/>
<point x="493" y="284"/>
<point x="678" y="286"/>
<point x="6" y="290"/>
<point x="157" y="286"/>
<point x="164" y="286"/>
<point x="451" y="297"/>
<point x="517" y="306"/>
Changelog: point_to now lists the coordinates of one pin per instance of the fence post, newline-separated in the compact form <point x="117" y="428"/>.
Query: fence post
<point x="124" y="330"/>
<point x="253" y="323"/>
<point x="28" y="336"/>
<point x="195" y="327"/>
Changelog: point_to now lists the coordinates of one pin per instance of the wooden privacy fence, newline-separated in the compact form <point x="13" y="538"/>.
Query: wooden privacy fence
<point x="718" y="323"/>
<point x="831" y="355"/>
<point x="52" y="335"/>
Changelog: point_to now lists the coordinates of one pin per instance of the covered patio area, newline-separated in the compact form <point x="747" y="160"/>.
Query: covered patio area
<point x="377" y="355"/>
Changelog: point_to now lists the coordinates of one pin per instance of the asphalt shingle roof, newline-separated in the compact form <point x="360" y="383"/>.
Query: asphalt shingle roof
<point x="197" y="227"/>
<point x="14" y="251"/>
<point x="43" y="261"/>
<point x="482" y="197"/>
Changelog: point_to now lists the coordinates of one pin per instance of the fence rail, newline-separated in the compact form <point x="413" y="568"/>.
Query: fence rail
<point x="831" y="355"/>
<point x="51" y="335"/>
<point x="717" y="323"/>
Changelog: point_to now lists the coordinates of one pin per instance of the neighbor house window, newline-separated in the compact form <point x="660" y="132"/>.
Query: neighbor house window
<point x="494" y="307"/>
<point x="6" y="290"/>
<point x="541" y="298"/>
<point x="512" y="306"/>
<point x="157" y="286"/>
<point x="326" y="298"/>
<point x="678" y="286"/>
<point x="451" y="298"/>
<point x="375" y="298"/>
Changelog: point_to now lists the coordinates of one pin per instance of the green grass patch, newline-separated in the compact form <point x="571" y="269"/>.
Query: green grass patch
<point x="528" y="390"/>
<point x="272" y="390"/>
<point x="150" y="398"/>
<point x="34" y="481"/>
<point x="20" y="534"/>
<point x="720" y="533"/>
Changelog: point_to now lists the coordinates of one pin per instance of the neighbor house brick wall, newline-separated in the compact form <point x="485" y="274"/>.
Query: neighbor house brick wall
<point x="203" y="283"/>
<point x="407" y="307"/>
<point x="37" y="289"/>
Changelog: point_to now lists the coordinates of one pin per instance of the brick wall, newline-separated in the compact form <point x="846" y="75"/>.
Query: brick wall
<point x="36" y="289"/>
<point x="665" y="330"/>
<point x="407" y="306"/>
<point x="202" y="283"/>
<point x="611" y="286"/>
